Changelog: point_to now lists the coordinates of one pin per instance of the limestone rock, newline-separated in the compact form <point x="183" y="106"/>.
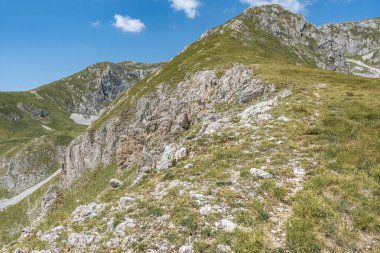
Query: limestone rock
<point x="186" y="249"/>
<point x="259" y="173"/>
<point x="172" y="152"/>
<point x="226" y="225"/>
<point x="124" y="201"/>
<point x="79" y="240"/>
<point x="85" y="212"/>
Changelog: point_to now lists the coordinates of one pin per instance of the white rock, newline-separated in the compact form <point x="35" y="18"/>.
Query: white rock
<point x="172" y="152"/>
<point x="186" y="249"/>
<point x="180" y="153"/>
<point x="226" y="225"/>
<point x="83" y="212"/>
<point x="264" y="117"/>
<point x="260" y="173"/>
<point x="204" y="210"/>
<point x="188" y="166"/>
<point x="49" y="237"/>
<point x="47" y="128"/>
<point x="262" y="107"/>
<point x="57" y="229"/>
<point x="213" y="128"/>
<point x="224" y="248"/>
<point x="283" y="118"/>
<point x="127" y="223"/>
<point x="124" y="201"/>
<point x="82" y="240"/>
<point x="110" y="225"/>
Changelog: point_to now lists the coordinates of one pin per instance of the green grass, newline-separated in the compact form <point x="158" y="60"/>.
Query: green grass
<point x="84" y="191"/>
<point x="15" y="218"/>
<point x="340" y="202"/>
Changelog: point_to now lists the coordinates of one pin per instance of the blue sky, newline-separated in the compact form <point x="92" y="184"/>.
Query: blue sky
<point x="46" y="40"/>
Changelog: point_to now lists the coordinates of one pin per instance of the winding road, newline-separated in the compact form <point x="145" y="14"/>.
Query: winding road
<point x="13" y="201"/>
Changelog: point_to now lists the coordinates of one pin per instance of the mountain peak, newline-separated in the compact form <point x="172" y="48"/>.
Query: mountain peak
<point x="330" y="47"/>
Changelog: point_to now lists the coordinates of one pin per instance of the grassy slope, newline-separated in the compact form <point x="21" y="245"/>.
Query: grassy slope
<point x="339" y="203"/>
<point x="53" y="97"/>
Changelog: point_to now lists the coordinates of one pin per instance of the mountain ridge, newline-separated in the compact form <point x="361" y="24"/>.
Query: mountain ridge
<point x="36" y="124"/>
<point x="236" y="145"/>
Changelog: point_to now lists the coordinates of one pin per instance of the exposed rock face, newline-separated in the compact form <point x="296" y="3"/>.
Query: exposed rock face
<point x="154" y="120"/>
<point x="11" y="117"/>
<point x="83" y="94"/>
<point x="360" y="42"/>
<point x="328" y="46"/>
<point x="171" y="153"/>
<point x="32" y="111"/>
<point x="357" y="38"/>
<point x="49" y="198"/>
<point x="85" y="212"/>
<point x="29" y="166"/>
<point x="95" y="87"/>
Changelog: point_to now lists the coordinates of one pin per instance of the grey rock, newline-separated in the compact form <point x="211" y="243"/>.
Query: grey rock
<point x="48" y="199"/>
<point x="79" y="240"/>
<point x="154" y="121"/>
<point x="11" y="117"/>
<point x="172" y="152"/>
<point x="115" y="183"/>
<point x="224" y="248"/>
<point x="49" y="237"/>
<point x="30" y="165"/>
<point x="186" y="249"/>
<point x="27" y="230"/>
<point x="32" y="111"/>
<point x="184" y="121"/>
<point x="127" y="223"/>
<point x="226" y="225"/>
<point x="259" y="173"/>
<point x="85" y="212"/>
<point x="124" y="201"/>
<point x="283" y="119"/>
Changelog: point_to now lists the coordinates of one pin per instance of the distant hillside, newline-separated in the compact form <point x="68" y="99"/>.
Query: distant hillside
<point x="36" y="125"/>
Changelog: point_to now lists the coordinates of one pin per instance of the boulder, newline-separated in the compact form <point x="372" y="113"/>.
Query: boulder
<point x="172" y="153"/>
<point x="115" y="183"/>
<point x="226" y="225"/>
<point x="260" y="173"/>
<point x="186" y="249"/>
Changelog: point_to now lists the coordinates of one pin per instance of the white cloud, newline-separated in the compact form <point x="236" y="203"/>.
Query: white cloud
<point x="190" y="7"/>
<point x="128" y="24"/>
<point x="96" y="24"/>
<point x="292" y="5"/>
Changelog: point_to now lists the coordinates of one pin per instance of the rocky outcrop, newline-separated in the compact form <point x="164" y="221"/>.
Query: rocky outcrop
<point x="327" y="46"/>
<point x="357" y="38"/>
<point x="33" y="111"/>
<point x="12" y="117"/>
<point x="29" y="166"/>
<point x="83" y="94"/>
<point x="148" y="136"/>
<point x="92" y="89"/>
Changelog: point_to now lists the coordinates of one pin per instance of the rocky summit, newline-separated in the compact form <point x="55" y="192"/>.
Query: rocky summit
<point x="261" y="136"/>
